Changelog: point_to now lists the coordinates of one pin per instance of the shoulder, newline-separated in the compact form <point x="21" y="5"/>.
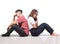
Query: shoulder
<point x="30" y="18"/>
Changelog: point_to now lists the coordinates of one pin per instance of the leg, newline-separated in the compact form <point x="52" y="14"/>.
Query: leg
<point x="45" y="26"/>
<point x="20" y="31"/>
<point x="11" y="26"/>
<point x="41" y="28"/>
<point x="10" y="30"/>
<point x="50" y="30"/>
<point x="37" y="31"/>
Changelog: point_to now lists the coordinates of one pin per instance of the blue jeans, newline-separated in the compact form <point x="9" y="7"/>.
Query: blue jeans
<point x="37" y="31"/>
<point x="17" y="28"/>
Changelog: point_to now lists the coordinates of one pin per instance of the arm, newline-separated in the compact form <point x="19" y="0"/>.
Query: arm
<point x="33" y="22"/>
<point x="14" y="22"/>
<point x="14" y="17"/>
<point x="36" y="23"/>
<point x="34" y="26"/>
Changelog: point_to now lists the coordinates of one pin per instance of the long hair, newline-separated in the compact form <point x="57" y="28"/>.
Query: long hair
<point x="32" y="13"/>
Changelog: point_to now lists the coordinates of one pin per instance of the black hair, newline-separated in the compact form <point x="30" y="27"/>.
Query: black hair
<point x="18" y="10"/>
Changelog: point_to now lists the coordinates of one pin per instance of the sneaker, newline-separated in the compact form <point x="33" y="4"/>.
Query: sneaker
<point x="5" y="35"/>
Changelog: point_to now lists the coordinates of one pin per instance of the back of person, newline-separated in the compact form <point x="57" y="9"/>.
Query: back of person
<point x="24" y="22"/>
<point x="30" y="22"/>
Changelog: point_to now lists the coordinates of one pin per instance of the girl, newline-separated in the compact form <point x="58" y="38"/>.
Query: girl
<point x="33" y="25"/>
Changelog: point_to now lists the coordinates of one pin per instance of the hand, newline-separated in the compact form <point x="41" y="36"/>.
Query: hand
<point x="8" y="28"/>
<point x="15" y="15"/>
<point x="36" y="23"/>
<point x="35" y="18"/>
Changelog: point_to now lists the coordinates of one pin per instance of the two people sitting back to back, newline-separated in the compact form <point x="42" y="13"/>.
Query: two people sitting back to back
<point x="23" y="26"/>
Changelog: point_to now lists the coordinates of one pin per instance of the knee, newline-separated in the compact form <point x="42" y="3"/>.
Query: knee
<point x="44" y="23"/>
<point x="14" y="26"/>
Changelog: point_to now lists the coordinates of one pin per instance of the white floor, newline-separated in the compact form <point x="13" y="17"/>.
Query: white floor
<point x="42" y="39"/>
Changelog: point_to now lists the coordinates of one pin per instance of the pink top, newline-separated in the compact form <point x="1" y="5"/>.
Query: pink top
<point x="24" y="24"/>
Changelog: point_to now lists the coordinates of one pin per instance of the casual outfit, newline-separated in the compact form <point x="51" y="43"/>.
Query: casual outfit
<point x="37" y="31"/>
<point x="22" y="29"/>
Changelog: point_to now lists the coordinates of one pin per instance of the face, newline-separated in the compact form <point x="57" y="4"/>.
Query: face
<point x="35" y="15"/>
<point x="18" y="13"/>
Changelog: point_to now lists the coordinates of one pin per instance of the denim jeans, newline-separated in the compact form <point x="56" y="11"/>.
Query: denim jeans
<point x="37" y="31"/>
<point x="19" y="30"/>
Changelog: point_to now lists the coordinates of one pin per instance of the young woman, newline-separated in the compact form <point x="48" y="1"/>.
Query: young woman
<point x="33" y="25"/>
<point x="20" y="25"/>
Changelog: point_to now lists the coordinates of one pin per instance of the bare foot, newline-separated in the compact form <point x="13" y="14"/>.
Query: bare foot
<point x="54" y="34"/>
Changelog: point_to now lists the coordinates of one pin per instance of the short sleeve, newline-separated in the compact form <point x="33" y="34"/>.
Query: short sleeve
<point x="31" y="20"/>
<point x="19" y="20"/>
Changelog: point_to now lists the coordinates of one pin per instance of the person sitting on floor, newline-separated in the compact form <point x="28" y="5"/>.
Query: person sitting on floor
<point x="20" y="25"/>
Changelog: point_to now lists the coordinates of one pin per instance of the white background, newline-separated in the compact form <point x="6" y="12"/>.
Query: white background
<point x="49" y="12"/>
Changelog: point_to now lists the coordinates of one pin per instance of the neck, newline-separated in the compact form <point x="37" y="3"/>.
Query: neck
<point x="20" y="15"/>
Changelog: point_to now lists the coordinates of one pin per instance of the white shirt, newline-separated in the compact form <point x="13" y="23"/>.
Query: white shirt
<point x="31" y="22"/>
